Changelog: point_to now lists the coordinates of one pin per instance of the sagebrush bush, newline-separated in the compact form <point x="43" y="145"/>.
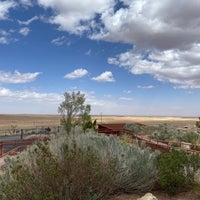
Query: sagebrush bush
<point x="78" y="167"/>
<point x="177" y="170"/>
<point x="135" y="166"/>
<point x="39" y="175"/>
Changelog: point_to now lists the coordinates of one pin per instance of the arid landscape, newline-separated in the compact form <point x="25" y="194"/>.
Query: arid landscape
<point x="31" y="121"/>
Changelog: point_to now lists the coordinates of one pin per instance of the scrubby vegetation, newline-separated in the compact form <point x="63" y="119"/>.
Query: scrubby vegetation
<point x="80" y="166"/>
<point x="84" y="165"/>
<point x="165" y="133"/>
<point x="177" y="170"/>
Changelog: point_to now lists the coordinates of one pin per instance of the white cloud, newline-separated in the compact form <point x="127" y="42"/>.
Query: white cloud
<point x="78" y="73"/>
<point x="5" y="6"/>
<point x="29" y="21"/>
<point x="3" y="40"/>
<point x="145" y="87"/>
<point x="163" y="25"/>
<point x="127" y="91"/>
<point x="180" y="67"/>
<point x="125" y="99"/>
<point x="24" y="31"/>
<point x="17" y="77"/>
<point x="60" y="41"/>
<point x="167" y="31"/>
<point x="79" y="14"/>
<point x="26" y="2"/>
<point x="13" y="96"/>
<point x="153" y="24"/>
<point x="104" y="77"/>
<point x="88" y="52"/>
<point x="29" y="102"/>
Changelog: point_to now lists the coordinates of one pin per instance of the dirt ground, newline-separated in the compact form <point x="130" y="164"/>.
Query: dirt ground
<point x="160" y="196"/>
<point x="31" y="121"/>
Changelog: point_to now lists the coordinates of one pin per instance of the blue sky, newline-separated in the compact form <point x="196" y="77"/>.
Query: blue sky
<point x="139" y="57"/>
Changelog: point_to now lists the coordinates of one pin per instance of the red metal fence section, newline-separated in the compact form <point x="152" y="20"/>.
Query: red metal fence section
<point x="14" y="146"/>
<point x="162" y="146"/>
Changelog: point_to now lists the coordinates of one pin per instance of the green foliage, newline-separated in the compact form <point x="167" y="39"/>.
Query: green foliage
<point x="165" y="133"/>
<point x="39" y="175"/>
<point x="136" y="168"/>
<point x="76" y="167"/>
<point x="89" y="125"/>
<point x="176" y="170"/>
<point x="139" y="129"/>
<point x="198" y="123"/>
<point x="73" y="110"/>
<point x="190" y="137"/>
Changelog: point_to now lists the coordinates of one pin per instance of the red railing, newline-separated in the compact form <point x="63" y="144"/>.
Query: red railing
<point x="14" y="146"/>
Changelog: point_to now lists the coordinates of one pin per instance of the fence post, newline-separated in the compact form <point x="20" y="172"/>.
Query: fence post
<point x="22" y="134"/>
<point x="58" y="130"/>
<point x="1" y="149"/>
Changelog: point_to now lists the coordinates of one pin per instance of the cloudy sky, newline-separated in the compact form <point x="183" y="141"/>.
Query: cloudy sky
<point x="129" y="57"/>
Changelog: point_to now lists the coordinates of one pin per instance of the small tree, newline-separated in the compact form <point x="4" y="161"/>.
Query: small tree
<point x="73" y="110"/>
<point x="198" y="123"/>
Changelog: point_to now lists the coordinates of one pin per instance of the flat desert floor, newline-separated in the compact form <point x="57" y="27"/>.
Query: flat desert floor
<point x="31" y="121"/>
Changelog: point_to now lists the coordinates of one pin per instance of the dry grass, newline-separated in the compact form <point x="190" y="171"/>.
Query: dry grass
<point x="31" y="121"/>
<point x="28" y="121"/>
<point x="174" y="121"/>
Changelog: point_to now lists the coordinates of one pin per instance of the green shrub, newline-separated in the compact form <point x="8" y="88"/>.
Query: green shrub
<point x="39" y="175"/>
<point x="165" y="133"/>
<point x="190" y="137"/>
<point x="77" y="167"/>
<point x="176" y="170"/>
<point x="136" y="167"/>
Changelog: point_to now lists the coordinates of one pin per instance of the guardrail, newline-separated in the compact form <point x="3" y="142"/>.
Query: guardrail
<point x="164" y="146"/>
<point x="10" y="147"/>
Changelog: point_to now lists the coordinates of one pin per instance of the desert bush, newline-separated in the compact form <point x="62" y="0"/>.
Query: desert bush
<point x="39" y="174"/>
<point x="165" y="133"/>
<point x="190" y="137"/>
<point x="135" y="166"/>
<point x="139" y="129"/>
<point x="78" y="166"/>
<point x="177" y="170"/>
<point x="126" y="138"/>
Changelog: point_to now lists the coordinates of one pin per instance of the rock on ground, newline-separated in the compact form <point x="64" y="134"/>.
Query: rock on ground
<point x="148" y="196"/>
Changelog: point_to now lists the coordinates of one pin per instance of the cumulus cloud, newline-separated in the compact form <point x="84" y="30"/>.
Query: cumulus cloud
<point x="24" y="31"/>
<point x="29" y="21"/>
<point x="153" y="24"/>
<point x="17" y="77"/>
<point x="80" y="15"/>
<point x="167" y="31"/>
<point x="78" y="73"/>
<point x="11" y="96"/>
<point x="5" y="6"/>
<point x="106" y="76"/>
<point x="61" y="41"/>
<point x="3" y="40"/>
<point x="125" y="99"/>
<point x="145" y="87"/>
<point x="180" y="67"/>
<point x="26" y="2"/>
<point x="127" y="91"/>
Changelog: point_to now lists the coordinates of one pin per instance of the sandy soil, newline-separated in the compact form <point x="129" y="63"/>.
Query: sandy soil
<point x="6" y="121"/>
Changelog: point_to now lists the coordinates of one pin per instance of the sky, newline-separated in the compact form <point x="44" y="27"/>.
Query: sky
<point x="129" y="57"/>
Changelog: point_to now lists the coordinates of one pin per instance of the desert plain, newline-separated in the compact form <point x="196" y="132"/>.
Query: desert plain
<point x="23" y="121"/>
